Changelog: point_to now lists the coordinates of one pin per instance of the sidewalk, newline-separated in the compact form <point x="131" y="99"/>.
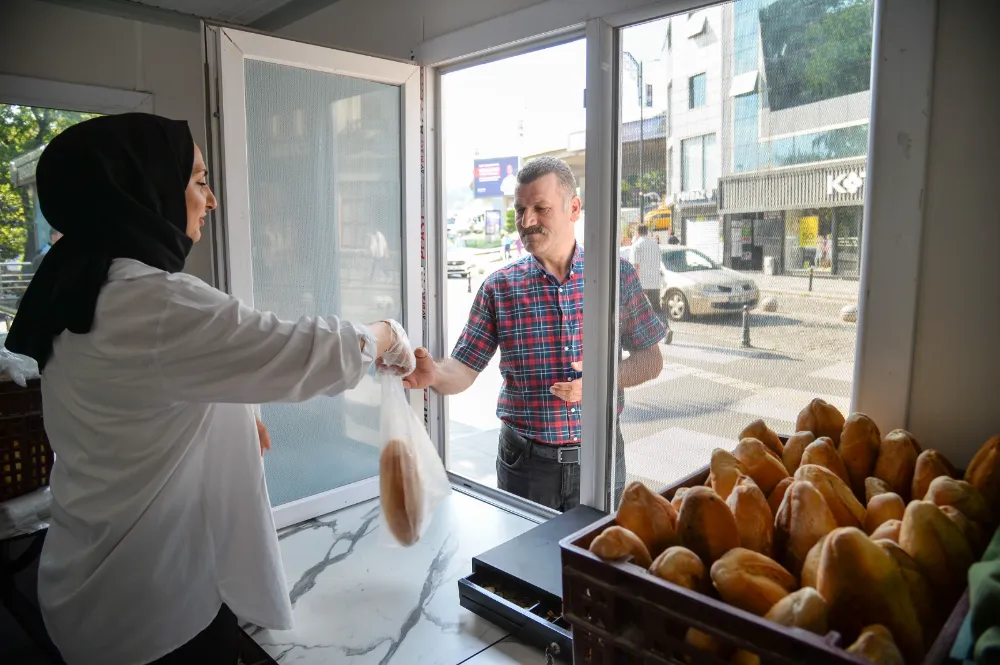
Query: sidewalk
<point x="823" y="287"/>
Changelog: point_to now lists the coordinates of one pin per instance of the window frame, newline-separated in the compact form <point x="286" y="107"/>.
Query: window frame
<point x="902" y="75"/>
<point x="703" y="79"/>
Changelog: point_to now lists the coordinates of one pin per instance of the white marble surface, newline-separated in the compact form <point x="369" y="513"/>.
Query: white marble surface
<point x="360" y="600"/>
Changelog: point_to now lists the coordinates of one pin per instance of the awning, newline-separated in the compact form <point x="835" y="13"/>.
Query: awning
<point x="22" y="169"/>
<point x="744" y="84"/>
<point x="827" y="185"/>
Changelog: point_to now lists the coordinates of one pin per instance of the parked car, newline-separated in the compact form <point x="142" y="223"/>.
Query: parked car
<point x="461" y="260"/>
<point x="695" y="285"/>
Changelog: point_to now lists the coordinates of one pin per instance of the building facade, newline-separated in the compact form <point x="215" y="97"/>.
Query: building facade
<point x="795" y="136"/>
<point x="695" y="53"/>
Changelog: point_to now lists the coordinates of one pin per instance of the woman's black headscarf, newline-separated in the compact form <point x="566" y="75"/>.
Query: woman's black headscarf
<point x="114" y="186"/>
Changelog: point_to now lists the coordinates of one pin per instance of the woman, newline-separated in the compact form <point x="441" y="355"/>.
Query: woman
<point x="161" y="530"/>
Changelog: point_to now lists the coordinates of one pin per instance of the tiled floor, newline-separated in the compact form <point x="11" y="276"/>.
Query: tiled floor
<point x="360" y="599"/>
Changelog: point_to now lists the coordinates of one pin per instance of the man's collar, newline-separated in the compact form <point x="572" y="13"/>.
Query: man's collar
<point x="575" y="264"/>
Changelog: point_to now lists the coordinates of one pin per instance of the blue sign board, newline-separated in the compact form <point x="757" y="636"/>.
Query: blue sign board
<point x="493" y="178"/>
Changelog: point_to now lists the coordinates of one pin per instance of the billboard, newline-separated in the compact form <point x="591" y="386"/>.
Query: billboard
<point x="494" y="177"/>
<point x="492" y="222"/>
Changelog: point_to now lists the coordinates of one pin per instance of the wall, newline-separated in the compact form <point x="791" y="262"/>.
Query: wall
<point x="51" y="41"/>
<point x="690" y="56"/>
<point x="393" y="28"/>
<point x="955" y="392"/>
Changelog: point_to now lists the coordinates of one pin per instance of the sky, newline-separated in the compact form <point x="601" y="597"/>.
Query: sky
<point x="522" y="105"/>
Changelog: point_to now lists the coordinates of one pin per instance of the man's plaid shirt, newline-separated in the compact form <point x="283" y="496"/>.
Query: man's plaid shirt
<point x="537" y="323"/>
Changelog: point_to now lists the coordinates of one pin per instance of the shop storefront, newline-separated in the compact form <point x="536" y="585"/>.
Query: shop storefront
<point x="789" y="221"/>
<point x="698" y="223"/>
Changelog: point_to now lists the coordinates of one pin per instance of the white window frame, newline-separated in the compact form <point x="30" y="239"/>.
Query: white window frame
<point x="902" y="75"/>
<point x="234" y="268"/>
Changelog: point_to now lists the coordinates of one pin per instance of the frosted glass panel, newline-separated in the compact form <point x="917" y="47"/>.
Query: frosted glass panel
<point x="326" y="227"/>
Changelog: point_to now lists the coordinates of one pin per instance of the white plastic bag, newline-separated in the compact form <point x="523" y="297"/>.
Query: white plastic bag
<point x="412" y="479"/>
<point x="19" y="368"/>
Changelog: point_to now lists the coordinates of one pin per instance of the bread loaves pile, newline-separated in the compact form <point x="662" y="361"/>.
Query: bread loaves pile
<point x="840" y="528"/>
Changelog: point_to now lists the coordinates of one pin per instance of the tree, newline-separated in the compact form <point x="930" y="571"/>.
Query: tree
<point x="509" y="225"/>
<point x="23" y="129"/>
<point x="651" y="181"/>
<point x="815" y="49"/>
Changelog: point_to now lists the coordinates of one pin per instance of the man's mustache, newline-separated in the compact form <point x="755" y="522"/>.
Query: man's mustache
<point x="531" y="230"/>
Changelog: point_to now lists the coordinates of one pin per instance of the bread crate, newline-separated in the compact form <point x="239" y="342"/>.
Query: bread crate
<point x="25" y="455"/>
<point x="622" y="615"/>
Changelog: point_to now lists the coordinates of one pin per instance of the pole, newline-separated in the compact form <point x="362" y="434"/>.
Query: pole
<point x="642" y="144"/>
<point x="810" y="278"/>
<point x="746" y="328"/>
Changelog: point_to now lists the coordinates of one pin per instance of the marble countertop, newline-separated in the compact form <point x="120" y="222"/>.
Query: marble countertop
<point x="359" y="599"/>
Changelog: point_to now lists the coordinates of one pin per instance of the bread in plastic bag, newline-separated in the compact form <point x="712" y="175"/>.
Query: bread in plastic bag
<point x="19" y="368"/>
<point x="412" y="479"/>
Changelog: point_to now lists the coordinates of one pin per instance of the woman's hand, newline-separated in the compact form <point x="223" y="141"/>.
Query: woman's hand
<point x="265" y="438"/>
<point x="394" y="352"/>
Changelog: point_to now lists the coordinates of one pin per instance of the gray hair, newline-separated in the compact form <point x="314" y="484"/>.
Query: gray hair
<point x="543" y="166"/>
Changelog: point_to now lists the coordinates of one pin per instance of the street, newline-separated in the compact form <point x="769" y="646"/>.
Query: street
<point x="710" y="387"/>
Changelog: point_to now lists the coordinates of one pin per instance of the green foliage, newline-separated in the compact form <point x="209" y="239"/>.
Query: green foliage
<point x="841" y="57"/>
<point x="509" y="224"/>
<point x="23" y="129"/>
<point x="815" y="49"/>
<point x="632" y="186"/>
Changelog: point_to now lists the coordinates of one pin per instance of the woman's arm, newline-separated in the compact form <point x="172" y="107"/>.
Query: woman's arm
<point x="210" y="347"/>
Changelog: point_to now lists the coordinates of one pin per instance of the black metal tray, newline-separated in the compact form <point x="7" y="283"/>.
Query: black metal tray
<point x="518" y="585"/>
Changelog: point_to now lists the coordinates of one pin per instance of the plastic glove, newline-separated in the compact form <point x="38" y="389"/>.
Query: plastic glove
<point x="398" y="358"/>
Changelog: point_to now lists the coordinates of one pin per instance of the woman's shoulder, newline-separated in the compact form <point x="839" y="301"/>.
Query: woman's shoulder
<point x="155" y="284"/>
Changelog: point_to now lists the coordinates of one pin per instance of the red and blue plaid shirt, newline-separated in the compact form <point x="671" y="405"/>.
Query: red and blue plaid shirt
<point x="537" y="323"/>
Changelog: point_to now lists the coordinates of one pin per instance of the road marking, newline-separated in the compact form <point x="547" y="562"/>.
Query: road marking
<point x="672" y="454"/>
<point x="701" y="355"/>
<point x="784" y="403"/>
<point x="675" y="370"/>
<point x="838" y="372"/>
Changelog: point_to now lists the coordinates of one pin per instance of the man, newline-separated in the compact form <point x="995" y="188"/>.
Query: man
<point x="509" y="183"/>
<point x="532" y="310"/>
<point x="379" y="250"/>
<point x="673" y="240"/>
<point x="646" y="257"/>
<point x="37" y="261"/>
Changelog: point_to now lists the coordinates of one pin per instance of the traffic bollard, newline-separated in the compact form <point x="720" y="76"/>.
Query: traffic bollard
<point x="810" y="278"/>
<point x="469" y="286"/>
<point x="746" y="327"/>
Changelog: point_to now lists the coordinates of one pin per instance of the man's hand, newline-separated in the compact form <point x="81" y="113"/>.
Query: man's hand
<point x="425" y="373"/>
<point x="570" y="391"/>
<point x="265" y="438"/>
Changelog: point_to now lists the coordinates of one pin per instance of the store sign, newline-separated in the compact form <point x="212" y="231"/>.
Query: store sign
<point x="808" y="230"/>
<point x="845" y="183"/>
<point x="492" y="222"/>
<point x="697" y="195"/>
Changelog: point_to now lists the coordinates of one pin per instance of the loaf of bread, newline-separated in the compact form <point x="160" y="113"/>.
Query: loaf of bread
<point x="859" y="444"/>
<point x="616" y="543"/>
<point x="751" y="581"/>
<point x="400" y="491"/>
<point x="759" y="430"/>
<point x="791" y="456"/>
<point x="649" y="516"/>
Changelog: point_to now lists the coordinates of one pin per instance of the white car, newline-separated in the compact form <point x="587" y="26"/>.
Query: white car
<point x="461" y="260"/>
<point x="695" y="285"/>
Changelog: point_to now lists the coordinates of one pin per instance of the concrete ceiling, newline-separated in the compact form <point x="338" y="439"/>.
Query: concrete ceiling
<point x="261" y="14"/>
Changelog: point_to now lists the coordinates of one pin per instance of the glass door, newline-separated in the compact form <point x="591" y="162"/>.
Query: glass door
<point x="773" y="145"/>
<point x="319" y="202"/>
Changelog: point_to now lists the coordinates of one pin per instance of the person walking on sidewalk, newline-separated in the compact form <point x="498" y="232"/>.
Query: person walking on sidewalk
<point x="507" y="241"/>
<point x="532" y="311"/>
<point x="646" y="257"/>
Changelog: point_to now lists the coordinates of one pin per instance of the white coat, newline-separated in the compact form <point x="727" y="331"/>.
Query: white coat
<point x="160" y="512"/>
